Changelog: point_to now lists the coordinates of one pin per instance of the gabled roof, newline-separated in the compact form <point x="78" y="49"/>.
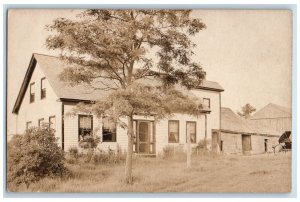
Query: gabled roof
<point x="52" y="66"/>
<point x="272" y="111"/>
<point x="231" y="122"/>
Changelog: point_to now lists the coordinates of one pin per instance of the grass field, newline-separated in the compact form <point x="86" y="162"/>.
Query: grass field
<point x="258" y="173"/>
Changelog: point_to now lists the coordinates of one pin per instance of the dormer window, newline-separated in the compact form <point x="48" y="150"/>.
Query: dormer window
<point x="32" y="92"/>
<point x="43" y="88"/>
<point x="206" y="102"/>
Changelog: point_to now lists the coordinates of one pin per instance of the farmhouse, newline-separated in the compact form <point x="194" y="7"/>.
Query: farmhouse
<point x="43" y="97"/>
<point x="239" y="136"/>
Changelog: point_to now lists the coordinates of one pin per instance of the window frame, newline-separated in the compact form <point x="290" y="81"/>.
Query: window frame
<point x="31" y="95"/>
<point x="115" y="133"/>
<point x="50" y="121"/>
<point x="40" y="121"/>
<point x="208" y="101"/>
<point x="43" y="89"/>
<point x="178" y="127"/>
<point x="84" y="115"/>
<point x="187" y="122"/>
<point x="28" y="122"/>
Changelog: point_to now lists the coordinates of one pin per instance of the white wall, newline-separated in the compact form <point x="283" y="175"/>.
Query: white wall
<point x="40" y="108"/>
<point x="71" y="131"/>
<point x="213" y="119"/>
<point x="161" y="133"/>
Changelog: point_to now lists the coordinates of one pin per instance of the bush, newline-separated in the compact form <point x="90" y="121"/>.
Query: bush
<point x="33" y="156"/>
<point x="202" y="147"/>
<point x="72" y="155"/>
<point x="73" y="151"/>
<point x="110" y="157"/>
<point x="89" y="142"/>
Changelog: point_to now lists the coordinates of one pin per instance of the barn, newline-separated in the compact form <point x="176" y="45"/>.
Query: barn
<point x="273" y="116"/>
<point x="240" y="136"/>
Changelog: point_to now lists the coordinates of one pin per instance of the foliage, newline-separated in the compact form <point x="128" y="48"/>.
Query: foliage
<point x="72" y="155"/>
<point x="97" y="157"/>
<point x="247" y="110"/>
<point x="33" y="156"/>
<point x="110" y="50"/>
<point x="73" y="152"/>
<point x="110" y="157"/>
<point x="202" y="147"/>
<point x="89" y="142"/>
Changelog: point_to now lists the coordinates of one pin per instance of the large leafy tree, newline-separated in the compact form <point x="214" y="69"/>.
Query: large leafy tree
<point x="138" y="55"/>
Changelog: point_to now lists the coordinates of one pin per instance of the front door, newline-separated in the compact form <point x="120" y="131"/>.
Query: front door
<point x="145" y="137"/>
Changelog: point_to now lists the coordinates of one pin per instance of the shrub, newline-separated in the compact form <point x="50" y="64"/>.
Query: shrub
<point x="73" y="152"/>
<point x="33" y="156"/>
<point x="89" y="142"/>
<point x="202" y="147"/>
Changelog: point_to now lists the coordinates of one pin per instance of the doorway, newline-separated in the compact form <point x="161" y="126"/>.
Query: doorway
<point x="266" y="145"/>
<point x="246" y="144"/>
<point x="145" y="140"/>
<point x="216" y="141"/>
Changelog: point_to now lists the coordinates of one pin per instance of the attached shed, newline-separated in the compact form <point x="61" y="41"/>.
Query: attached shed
<point x="238" y="136"/>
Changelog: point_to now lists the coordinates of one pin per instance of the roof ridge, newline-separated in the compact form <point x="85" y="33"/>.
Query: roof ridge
<point x="281" y="108"/>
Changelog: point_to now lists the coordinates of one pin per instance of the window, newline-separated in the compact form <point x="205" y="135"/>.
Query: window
<point x="206" y="102"/>
<point x="43" y="88"/>
<point x="41" y="122"/>
<point x="52" y="123"/>
<point x="85" y="125"/>
<point x="173" y="135"/>
<point x="191" y="129"/>
<point x="32" y="92"/>
<point x="108" y="130"/>
<point x="28" y="125"/>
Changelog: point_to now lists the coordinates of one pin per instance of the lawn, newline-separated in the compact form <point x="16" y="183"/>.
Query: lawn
<point x="230" y="173"/>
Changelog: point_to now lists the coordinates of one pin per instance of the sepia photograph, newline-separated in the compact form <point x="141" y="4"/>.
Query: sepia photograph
<point x="149" y="101"/>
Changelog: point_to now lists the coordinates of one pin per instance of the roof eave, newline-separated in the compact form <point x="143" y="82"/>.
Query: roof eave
<point x="211" y="89"/>
<point x="72" y="100"/>
<point x="25" y="84"/>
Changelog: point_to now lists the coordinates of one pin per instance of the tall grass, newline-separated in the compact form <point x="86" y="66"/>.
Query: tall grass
<point x="262" y="173"/>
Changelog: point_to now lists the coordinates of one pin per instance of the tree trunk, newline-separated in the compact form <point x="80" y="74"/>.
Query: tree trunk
<point x="128" y="166"/>
<point x="188" y="152"/>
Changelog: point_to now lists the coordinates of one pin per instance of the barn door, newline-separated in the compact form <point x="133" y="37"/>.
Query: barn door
<point x="246" y="144"/>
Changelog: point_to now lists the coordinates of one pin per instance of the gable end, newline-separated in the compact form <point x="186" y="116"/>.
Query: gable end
<point x="25" y="84"/>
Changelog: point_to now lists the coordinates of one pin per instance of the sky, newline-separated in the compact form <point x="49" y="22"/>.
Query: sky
<point x="248" y="52"/>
